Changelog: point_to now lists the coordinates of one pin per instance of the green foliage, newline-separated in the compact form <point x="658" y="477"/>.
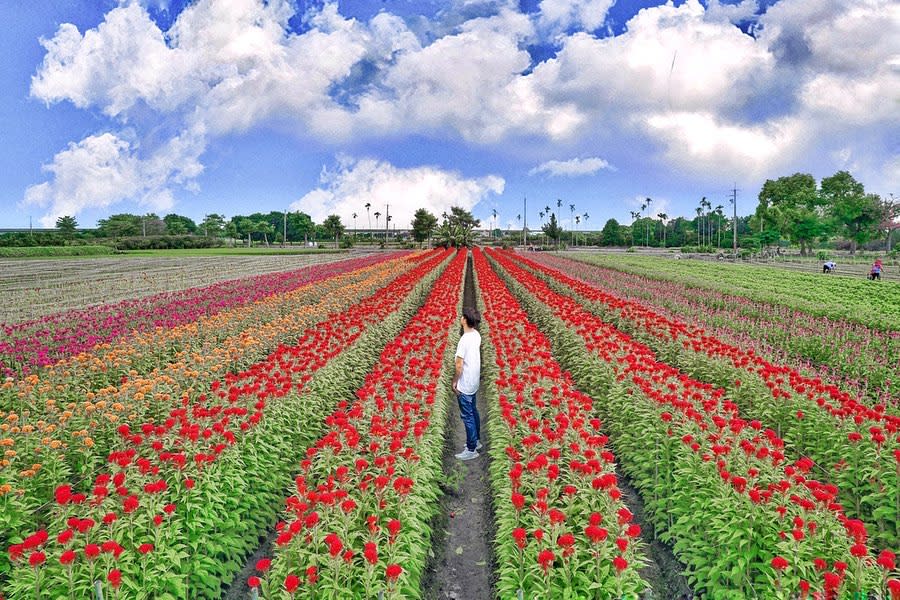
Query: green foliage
<point x="456" y="228"/>
<point x="46" y="251"/>
<point x="120" y="225"/>
<point x="423" y="225"/>
<point x="179" y="225"/>
<point x="855" y="214"/>
<point x="611" y="234"/>
<point x="67" y="226"/>
<point x="213" y="225"/>
<point x="333" y="227"/>
<point x="552" y="229"/>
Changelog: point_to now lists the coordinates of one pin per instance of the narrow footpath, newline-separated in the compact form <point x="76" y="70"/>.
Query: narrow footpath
<point x="464" y="532"/>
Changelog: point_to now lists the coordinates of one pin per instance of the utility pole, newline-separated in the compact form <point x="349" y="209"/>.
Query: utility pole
<point x="30" y="227"/>
<point x="524" y="222"/>
<point x="733" y="200"/>
<point x="387" y="221"/>
<point x="284" y="233"/>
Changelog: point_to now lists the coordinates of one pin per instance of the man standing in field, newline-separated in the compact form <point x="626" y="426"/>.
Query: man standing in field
<point x="467" y="379"/>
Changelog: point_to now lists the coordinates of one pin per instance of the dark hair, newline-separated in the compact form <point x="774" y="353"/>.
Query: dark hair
<point x="472" y="317"/>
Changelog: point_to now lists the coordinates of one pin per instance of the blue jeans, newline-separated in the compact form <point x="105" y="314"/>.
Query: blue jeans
<point x="470" y="418"/>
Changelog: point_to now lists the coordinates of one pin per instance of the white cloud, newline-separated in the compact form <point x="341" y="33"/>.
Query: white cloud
<point x="698" y="141"/>
<point x="571" y="168"/>
<point x="391" y="190"/>
<point x="682" y="79"/>
<point x="566" y="14"/>
<point x="104" y="169"/>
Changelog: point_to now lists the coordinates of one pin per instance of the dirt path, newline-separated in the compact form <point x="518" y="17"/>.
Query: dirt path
<point x="462" y="566"/>
<point x="663" y="571"/>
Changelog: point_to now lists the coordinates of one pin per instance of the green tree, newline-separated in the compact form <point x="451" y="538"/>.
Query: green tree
<point x="333" y="227"/>
<point x="300" y="224"/>
<point x="792" y="207"/>
<point x="179" y="225"/>
<point x="423" y="225"/>
<point x="213" y="225"/>
<point x="456" y="228"/>
<point x="552" y="229"/>
<point x="855" y="215"/>
<point x="67" y="226"/>
<point x="120" y="225"/>
<point x="611" y="234"/>
<point x="263" y="227"/>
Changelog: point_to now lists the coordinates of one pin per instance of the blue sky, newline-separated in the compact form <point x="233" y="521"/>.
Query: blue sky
<point x="237" y="106"/>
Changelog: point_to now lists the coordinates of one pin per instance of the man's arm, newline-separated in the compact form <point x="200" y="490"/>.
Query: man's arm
<point x="458" y="374"/>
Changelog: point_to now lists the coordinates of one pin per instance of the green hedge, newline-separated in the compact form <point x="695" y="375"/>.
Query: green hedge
<point x="42" y="251"/>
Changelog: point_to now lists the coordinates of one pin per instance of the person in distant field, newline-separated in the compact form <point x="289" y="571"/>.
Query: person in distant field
<point x="467" y="379"/>
<point x="876" y="270"/>
<point x="829" y="267"/>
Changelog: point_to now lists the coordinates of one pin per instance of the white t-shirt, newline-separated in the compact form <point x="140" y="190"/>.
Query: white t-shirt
<point x="469" y="349"/>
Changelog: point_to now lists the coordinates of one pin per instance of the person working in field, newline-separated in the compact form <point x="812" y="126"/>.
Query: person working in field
<point x="467" y="379"/>
<point x="876" y="270"/>
<point x="829" y="267"/>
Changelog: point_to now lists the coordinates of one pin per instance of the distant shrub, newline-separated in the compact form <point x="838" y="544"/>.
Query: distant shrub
<point x="168" y="242"/>
<point x="49" y="251"/>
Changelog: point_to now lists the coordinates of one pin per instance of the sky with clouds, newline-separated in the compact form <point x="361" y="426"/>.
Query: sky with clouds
<point x="240" y="106"/>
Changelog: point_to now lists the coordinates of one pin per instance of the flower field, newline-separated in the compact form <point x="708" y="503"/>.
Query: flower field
<point x="284" y="435"/>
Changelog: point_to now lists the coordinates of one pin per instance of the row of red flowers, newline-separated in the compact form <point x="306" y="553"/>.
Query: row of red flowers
<point x="357" y="524"/>
<point x="857" y="443"/>
<point x="562" y="526"/>
<point x="170" y="501"/>
<point x="53" y="441"/>
<point x="710" y="479"/>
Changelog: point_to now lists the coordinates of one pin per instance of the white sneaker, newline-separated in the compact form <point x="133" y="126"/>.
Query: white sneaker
<point x="479" y="445"/>
<point x="467" y="454"/>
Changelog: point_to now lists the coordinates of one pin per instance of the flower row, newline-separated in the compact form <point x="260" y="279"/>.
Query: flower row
<point x="561" y="524"/>
<point x="842" y="298"/>
<point x="357" y="524"/>
<point x="857" y="357"/>
<point x="859" y="445"/>
<point x="53" y="440"/>
<point x="711" y="480"/>
<point x="28" y="346"/>
<point x="201" y="484"/>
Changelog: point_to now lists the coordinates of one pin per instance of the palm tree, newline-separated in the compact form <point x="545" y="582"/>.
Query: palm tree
<point x="577" y="221"/>
<point x="368" y="205"/>
<point x="720" y="216"/>
<point x="650" y="222"/>
<point x="704" y="203"/>
<point x="663" y="217"/>
<point x="699" y="211"/>
<point x="634" y="216"/>
<point x="585" y="216"/>
<point x="377" y="214"/>
<point x="494" y="213"/>
<point x="572" y="212"/>
<point x="354" y="226"/>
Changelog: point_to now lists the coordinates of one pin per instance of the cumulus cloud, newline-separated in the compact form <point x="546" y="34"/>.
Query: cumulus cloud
<point x="101" y="170"/>
<point x="682" y="78"/>
<point x="695" y="140"/>
<point x="352" y="183"/>
<point x="564" y="15"/>
<point x="571" y="168"/>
